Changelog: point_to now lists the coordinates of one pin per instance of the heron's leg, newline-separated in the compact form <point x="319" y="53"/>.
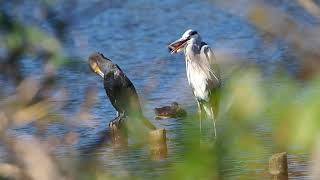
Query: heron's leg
<point x="200" y="115"/>
<point x="214" y="122"/>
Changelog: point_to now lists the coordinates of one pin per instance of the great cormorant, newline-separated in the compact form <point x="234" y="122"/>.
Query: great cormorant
<point x="120" y="90"/>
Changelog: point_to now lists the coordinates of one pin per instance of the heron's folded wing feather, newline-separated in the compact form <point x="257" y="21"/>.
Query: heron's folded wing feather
<point x="213" y="66"/>
<point x="213" y="85"/>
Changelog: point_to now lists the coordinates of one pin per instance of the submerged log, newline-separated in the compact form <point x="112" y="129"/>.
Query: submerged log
<point x="278" y="166"/>
<point x="158" y="144"/>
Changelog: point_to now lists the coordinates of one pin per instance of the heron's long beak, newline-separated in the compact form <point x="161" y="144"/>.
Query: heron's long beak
<point x="176" y="45"/>
<point x="95" y="68"/>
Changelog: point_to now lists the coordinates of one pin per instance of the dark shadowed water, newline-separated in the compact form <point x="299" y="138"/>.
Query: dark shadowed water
<point x="134" y="34"/>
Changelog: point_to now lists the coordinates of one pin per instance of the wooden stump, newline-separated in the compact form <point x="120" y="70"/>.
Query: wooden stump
<point x="278" y="166"/>
<point x="119" y="137"/>
<point x="158" y="144"/>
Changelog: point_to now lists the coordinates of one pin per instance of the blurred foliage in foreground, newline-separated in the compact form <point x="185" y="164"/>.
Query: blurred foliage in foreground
<point x="288" y="112"/>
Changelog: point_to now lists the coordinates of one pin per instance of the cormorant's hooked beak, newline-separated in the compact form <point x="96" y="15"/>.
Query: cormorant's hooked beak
<point x="95" y="68"/>
<point x="176" y="45"/>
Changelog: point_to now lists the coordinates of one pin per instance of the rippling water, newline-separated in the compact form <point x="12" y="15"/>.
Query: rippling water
<point x="134" y="34"/>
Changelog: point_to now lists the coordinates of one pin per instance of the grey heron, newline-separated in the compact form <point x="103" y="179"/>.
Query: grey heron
<point x="203" y="73"/>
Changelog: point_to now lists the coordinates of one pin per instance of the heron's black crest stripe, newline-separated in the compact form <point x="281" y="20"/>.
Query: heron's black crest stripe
<point x="203" y="44"/>
<point x="193" y="33"/>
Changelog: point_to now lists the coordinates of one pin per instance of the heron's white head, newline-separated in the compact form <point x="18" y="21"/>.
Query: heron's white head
<point x="178" y="45"/>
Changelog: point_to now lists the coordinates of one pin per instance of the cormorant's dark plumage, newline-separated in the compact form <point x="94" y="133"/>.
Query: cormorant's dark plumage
<point x="119" y="88"/>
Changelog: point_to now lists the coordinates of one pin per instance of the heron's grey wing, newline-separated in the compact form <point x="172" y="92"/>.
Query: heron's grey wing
<point x="208" y="56"/>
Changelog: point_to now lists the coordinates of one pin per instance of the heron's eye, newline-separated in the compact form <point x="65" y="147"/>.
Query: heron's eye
<point x="193" y="33"/>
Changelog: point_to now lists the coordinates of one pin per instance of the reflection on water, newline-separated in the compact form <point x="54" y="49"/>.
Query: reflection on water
<point x="134" y="34"/>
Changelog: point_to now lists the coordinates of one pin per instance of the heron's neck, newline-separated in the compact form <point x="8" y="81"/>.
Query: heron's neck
<point x="195" y="41"/>
<point x="193" y="46"/>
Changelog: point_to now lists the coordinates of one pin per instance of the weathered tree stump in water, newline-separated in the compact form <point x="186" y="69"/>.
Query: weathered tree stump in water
<point x="119" y="136"/>
<point x="158" y="144"/>
<point x="157" y="139"/>
<point x="278" y="166"/>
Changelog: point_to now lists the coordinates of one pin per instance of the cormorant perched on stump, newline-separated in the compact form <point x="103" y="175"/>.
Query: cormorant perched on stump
<point x="120" y="90"/>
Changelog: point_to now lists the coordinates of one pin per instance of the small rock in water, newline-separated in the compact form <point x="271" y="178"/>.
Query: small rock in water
<point x="173" y="111"/>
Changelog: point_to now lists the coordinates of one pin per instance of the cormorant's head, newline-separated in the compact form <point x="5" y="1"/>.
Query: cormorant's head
<point x="99" y="64"/>
<point x="179" y="44"/>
